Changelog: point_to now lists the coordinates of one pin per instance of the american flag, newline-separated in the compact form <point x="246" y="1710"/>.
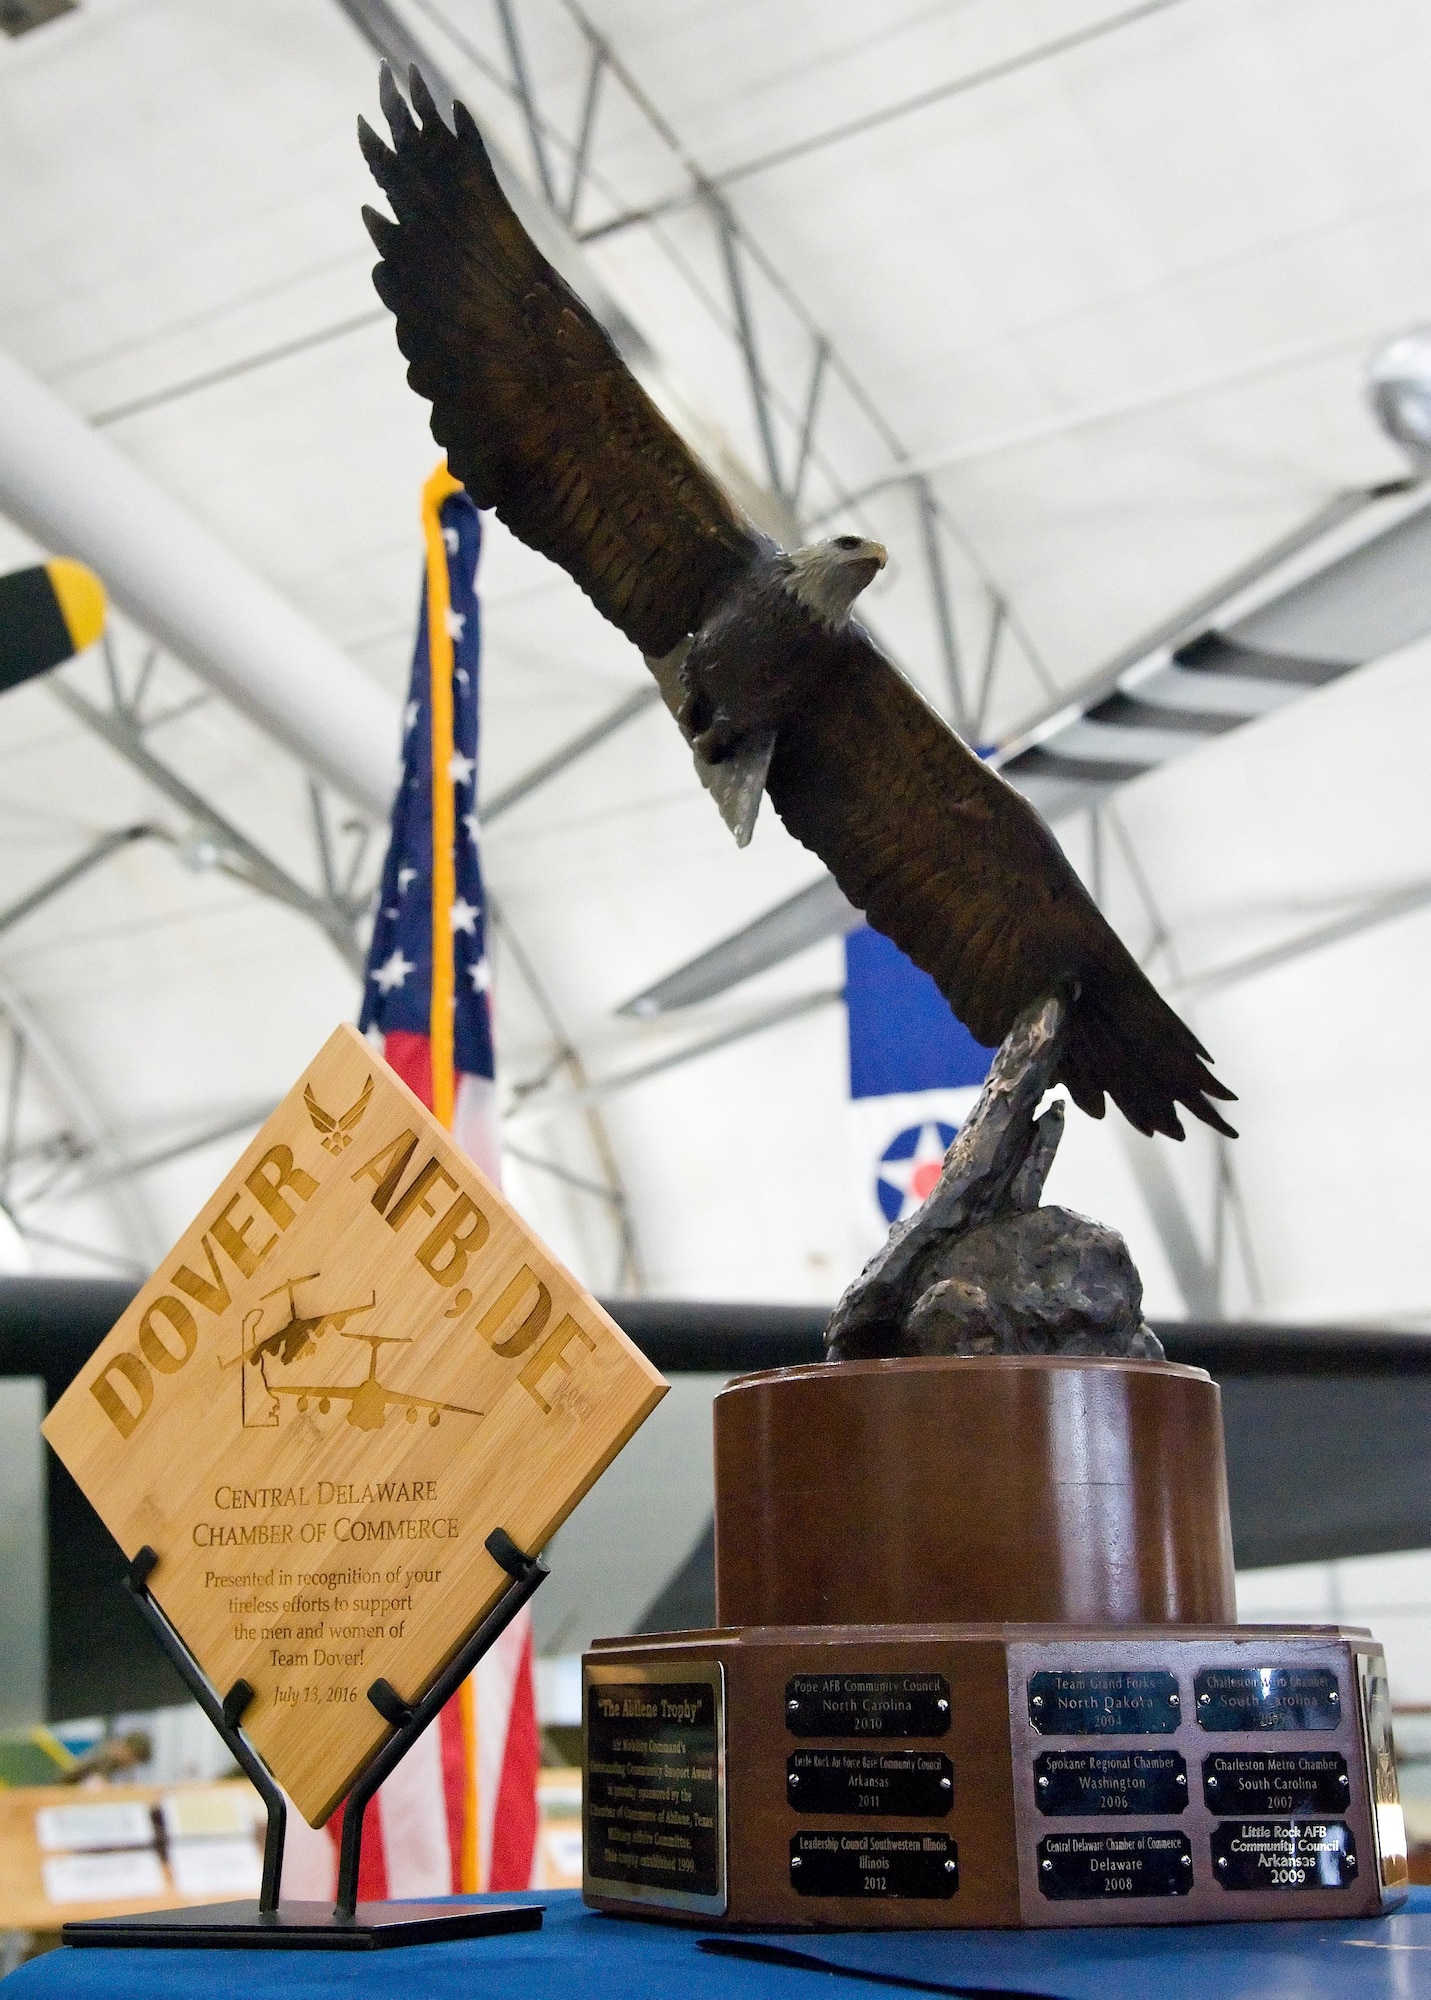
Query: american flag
<point x="428" y="984"/>
<point x="460" y="1812"/>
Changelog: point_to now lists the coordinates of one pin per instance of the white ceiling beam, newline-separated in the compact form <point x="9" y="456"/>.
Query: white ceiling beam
<point x="76" y="495"/>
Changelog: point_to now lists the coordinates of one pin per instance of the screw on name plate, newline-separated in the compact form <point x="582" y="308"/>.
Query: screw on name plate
<point x="792" y="1705"/>
<point x="942" y="1705"/>
<point x="950" y="1866"/>
<point x="1187" y="1861"/>
<point x="1222" y="1860"/>
<point x="794" y="1861"/>
<point x="1174" y="1701"/>
<point x="1181" y="1780"/>
<point x="1038" y="1701"/>
<point x="1043" y="1784"/>
<point x="793" y="1779"/>
<point x="1203" y="1700"/>
<point x="946" y="1784"/>
<point x="1047" y="1867"/>
<point x="1333" y="1696"/>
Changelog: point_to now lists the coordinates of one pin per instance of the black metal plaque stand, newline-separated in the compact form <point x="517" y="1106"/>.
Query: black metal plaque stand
<point x="349" y="1925"/>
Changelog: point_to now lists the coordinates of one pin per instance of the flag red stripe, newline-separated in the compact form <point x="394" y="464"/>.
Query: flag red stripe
<point x="372" y="1866"/>
<point x="514" y="1830"/>
<point x="411" y="1056"/>
<point x="455" y="1784"/>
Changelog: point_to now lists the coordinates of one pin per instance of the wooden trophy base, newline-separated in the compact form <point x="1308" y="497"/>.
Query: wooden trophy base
<point x="976" y="1663"/>
<point x="913" y="1777"/>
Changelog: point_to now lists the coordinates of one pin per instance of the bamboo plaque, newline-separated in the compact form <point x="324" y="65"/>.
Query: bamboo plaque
<point x="354" y="1364"/>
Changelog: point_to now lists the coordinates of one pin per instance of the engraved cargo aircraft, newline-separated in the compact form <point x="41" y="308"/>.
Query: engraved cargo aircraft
<point x="369" y="1399"/>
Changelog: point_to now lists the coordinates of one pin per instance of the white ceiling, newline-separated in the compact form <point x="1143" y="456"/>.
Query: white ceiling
<point x="1116" y="301"/>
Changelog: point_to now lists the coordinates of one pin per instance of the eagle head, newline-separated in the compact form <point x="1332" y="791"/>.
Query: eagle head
<point x="827" y="577"/>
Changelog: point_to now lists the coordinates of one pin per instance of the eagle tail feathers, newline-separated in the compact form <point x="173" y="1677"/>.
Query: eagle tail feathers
<point x="1128" y="1041"/>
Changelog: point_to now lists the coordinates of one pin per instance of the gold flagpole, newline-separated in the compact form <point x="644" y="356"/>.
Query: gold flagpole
<point x="444" y="822"/>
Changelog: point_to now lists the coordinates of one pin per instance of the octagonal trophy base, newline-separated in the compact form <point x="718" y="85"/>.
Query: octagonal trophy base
<point x="977" y="1664"/>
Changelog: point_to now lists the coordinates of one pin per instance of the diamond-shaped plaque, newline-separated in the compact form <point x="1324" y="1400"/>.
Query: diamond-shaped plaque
<point x="355" y="1364"/>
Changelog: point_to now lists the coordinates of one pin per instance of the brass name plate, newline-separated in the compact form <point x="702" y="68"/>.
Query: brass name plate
<point x="653" y="1785"/>
<point x="1237" y="1699"/>
<point x="1091" y="1783"/>
<point x="355" y="1364"/>
<point x="881" y="1865"/>
<point x="1121" y="1701"/>
<point x="908" y="1782"/>
<point x="867" y="1705"/>
<point x="1276" y="1781"/>
<point x="1082" y="1867"/>
<point x="1284" y="1854"/>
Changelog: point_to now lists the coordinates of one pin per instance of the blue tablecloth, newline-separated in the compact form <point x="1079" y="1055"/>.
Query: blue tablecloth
<point x="581" y="1956"/>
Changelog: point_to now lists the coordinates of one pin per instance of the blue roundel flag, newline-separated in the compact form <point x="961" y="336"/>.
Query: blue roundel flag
<point x="915" y="1072"/>
<point x="909" y="1167"/>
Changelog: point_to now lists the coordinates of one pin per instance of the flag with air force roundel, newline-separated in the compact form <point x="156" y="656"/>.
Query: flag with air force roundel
<point x="915" y="1071"/>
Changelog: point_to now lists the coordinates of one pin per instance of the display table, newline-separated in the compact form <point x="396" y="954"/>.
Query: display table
<point x="607" y="1958"/>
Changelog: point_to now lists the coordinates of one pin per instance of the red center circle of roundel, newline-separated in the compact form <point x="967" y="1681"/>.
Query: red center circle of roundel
<point x="909" y="1167"/>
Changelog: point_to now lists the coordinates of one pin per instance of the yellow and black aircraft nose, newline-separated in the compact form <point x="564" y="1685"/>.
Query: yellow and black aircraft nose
<point x="47" y="615"/>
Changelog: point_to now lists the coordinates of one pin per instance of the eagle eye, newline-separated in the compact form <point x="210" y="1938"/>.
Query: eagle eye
<point x="848" y="542"/>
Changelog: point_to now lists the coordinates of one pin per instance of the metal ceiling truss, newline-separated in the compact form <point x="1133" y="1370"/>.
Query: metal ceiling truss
<point x="1218" y="663"/>
<point x="566" y="1061"/>
<point x="534" y="1096"/>
<point x="80" y="1143"/>
<point x="338" y="907"/>
<point x="49" y="1127"/>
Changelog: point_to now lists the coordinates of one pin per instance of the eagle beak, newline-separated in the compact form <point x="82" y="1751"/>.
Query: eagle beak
<point x="868" y="562"/>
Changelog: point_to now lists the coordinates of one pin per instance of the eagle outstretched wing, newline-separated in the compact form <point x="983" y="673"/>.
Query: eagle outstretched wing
<point x="540" y="417"/>
<point x="947" y="859"/>
<point x="543" y="421"/>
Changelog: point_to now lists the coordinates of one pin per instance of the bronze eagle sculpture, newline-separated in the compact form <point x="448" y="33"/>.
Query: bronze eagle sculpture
<point x="774" y="684"/>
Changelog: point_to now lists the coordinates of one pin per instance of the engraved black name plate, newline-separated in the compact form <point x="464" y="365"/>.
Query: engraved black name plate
<point x="1277" y="1782"/>
<point x="1284" y="1854"/>
<point x="653" y="1807"/>
<point x="1119" y="1702"/>
<point x="867" y="1705"/>
<point x="869" y="1781"/>
<point x="1246" y="1698"/>
<point x="1089" y="1783"/>
<point x="1083" y="1867"/>
<point x="924" y="1865"/>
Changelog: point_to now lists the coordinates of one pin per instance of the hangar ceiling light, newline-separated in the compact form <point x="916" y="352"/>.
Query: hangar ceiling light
<point x="1399" y="388"/>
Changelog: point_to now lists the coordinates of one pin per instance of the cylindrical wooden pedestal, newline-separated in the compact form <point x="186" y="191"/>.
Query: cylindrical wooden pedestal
<point x="987" y="1489"/>
<point x="977" y="1665"/>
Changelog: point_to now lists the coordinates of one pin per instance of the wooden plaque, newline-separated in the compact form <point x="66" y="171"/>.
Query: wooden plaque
<point x="355" y="1364"/>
